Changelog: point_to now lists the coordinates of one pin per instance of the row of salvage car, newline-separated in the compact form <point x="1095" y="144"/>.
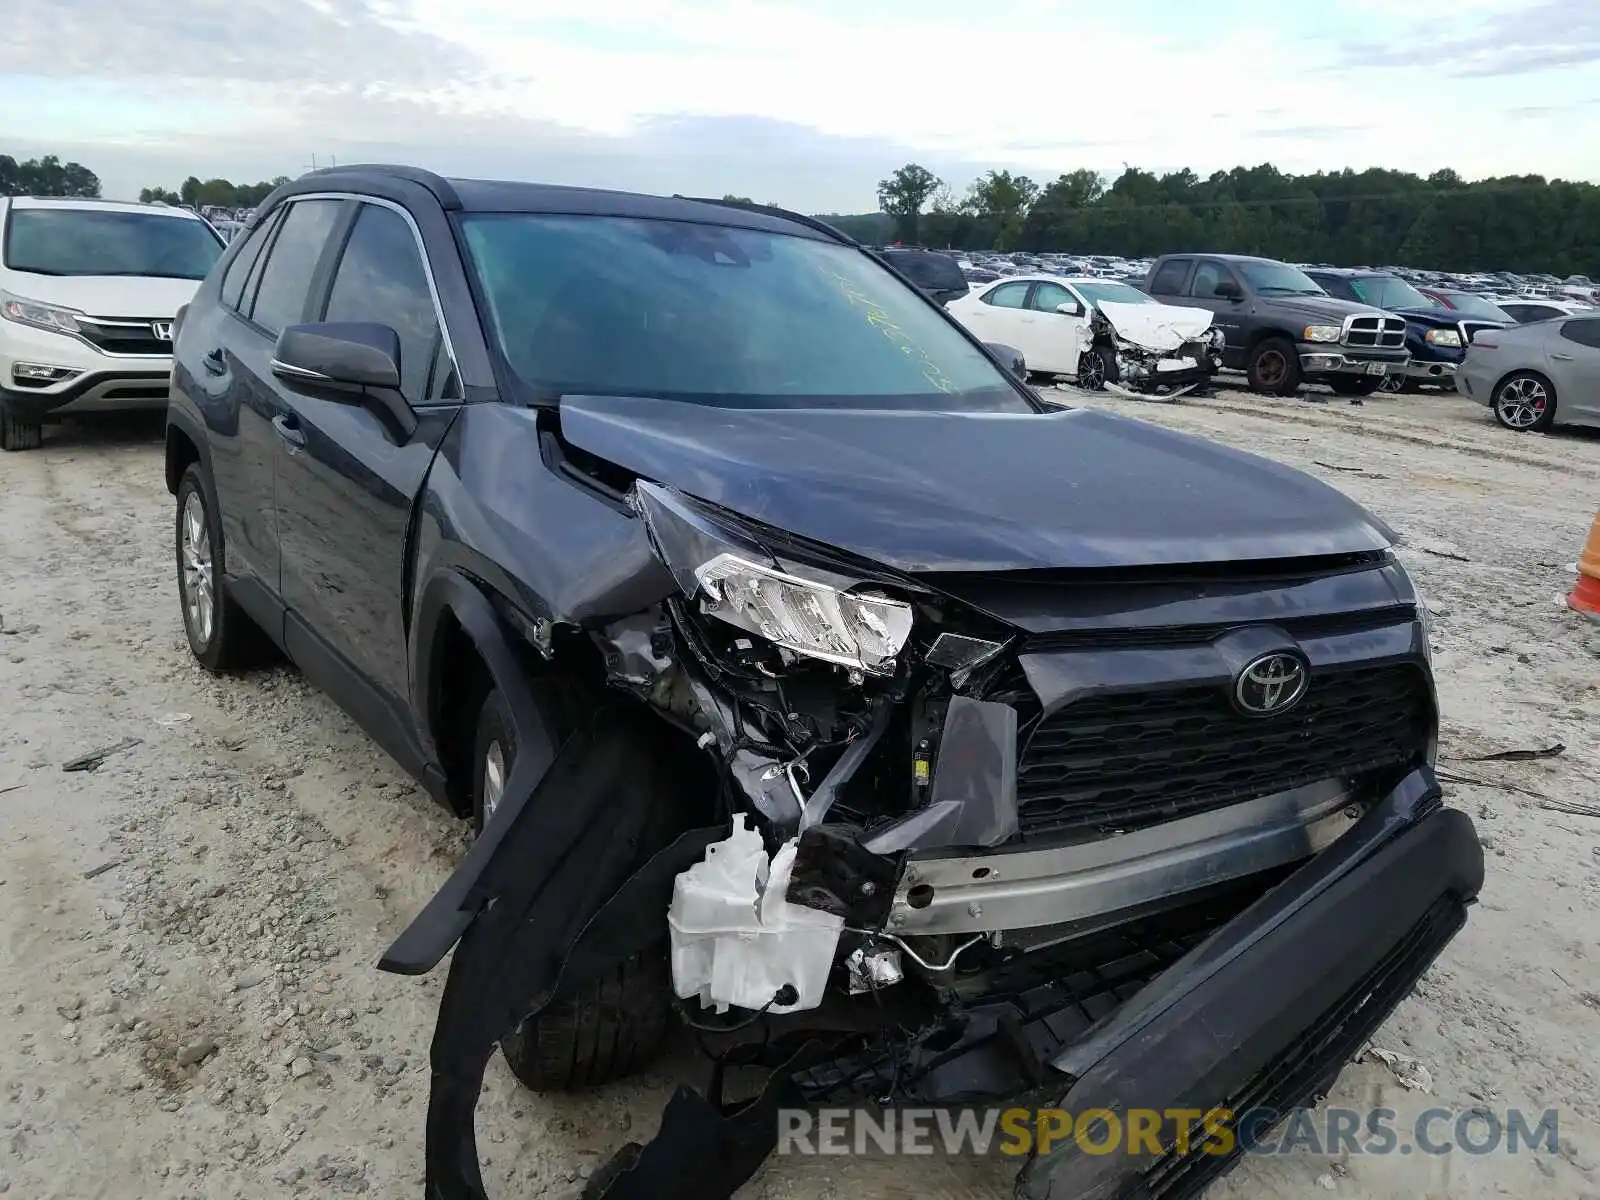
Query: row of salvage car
<point x="1358" y="331"/>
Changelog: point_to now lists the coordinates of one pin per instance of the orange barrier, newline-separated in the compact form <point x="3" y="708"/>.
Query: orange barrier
<point x="1585" y="596"/>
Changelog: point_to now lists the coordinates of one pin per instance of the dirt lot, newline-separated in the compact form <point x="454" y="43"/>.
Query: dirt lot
<point x="188" y="933"/>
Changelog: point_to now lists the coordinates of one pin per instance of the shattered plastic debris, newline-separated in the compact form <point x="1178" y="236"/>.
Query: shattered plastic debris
<point x="736" y="939"/>
<point x="1409" y="1071"/>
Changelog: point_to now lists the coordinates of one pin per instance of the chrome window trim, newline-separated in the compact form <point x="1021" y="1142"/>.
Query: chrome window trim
<point x="427" y="268"/>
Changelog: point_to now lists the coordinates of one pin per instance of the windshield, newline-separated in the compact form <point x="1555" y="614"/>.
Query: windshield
<point x="88" y="241"/>
<point x="590" y="305"/>
<point x="1386" y="291"/>
<point x="1477" y="306"/>
<point x="1278" y="279"/>
<point x="1117" y="293"/>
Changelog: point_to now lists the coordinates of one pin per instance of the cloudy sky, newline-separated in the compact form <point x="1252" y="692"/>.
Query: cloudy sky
<point x="803" y="102"/>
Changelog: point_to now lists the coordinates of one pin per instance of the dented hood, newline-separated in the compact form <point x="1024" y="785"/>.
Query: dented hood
<point x="941" y="491"/>
<point x="1159" y="327"/>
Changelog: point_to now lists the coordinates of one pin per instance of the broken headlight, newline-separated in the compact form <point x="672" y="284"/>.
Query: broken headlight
<point x="855" y="629"/>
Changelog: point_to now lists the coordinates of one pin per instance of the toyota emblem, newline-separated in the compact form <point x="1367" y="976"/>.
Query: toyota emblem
<point x="1271" y="684"/>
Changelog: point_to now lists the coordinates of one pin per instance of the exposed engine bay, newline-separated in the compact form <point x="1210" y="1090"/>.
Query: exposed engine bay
<point x="1159" y="351"/>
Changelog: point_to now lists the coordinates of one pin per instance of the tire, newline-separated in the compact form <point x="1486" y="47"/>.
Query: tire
<point x="1273" y="368"/>
<point x="226" y="640"/>
<point x="1524" y="402"/>
<point x="1356" y="385"/>
<point x="17" y="433"/>
<point x="1097" y="367"/>
<point x="1394" y="383"/>
<point x="610" y="1027"/>
<point x="494" y="749"/>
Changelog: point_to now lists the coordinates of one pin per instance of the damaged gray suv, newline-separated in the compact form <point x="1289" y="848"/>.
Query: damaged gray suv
<point x="813" y="685"/>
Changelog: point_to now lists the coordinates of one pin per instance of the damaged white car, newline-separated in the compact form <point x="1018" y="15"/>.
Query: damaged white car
<point x="1098" y="333"/>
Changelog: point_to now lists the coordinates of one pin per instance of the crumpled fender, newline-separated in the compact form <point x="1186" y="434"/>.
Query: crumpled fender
<point x="567" y="850"/>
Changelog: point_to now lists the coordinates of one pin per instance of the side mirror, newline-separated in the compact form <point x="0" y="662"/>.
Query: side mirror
<point x="1227" y="289"/>
<point x="347" y="362"/>
<point x="1010" y="357"/>
<point x="343" y="356"/>
<point x="1070" y="309"/>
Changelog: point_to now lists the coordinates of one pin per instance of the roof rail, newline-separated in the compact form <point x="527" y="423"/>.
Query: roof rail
<point x="773" y="210"/>
<point x="441" y="187"/>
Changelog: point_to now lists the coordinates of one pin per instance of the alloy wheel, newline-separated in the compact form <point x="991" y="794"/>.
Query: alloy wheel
<point x="494" y="779"/>
<point x="1521" y="402"/>
<point x="199" y="595"/>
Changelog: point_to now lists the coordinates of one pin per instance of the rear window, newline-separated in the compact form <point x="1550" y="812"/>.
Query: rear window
<point x="937" y="272"/>
<point x="86" y="241"/>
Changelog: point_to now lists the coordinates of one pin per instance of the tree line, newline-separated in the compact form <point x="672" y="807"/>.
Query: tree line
<point x="222" y="193"/>
<point x="47" y="176"/>
<point x="1440" y="221"/>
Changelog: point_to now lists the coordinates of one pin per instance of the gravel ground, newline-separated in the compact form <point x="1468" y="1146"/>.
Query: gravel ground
<point x="188" y="933"/>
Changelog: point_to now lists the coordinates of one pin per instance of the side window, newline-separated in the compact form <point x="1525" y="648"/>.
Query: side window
<point x="285" y="280"/>
<point x="244" y="263"/>
<point x="1007" y="295"/>
<point x="1048" y="295"/>
<point x="381" y="278"/>
<point x="1542" y="312"/>
<point x="1585" y="331"/>
<point x="1206" y="277"/>
<point x="1169" y="279"/>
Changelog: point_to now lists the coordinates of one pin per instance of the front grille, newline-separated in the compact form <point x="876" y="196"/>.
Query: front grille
<point x="123" y="336"/>
<point x="1375" y="333"/>
<point x="1108" y="764"/>
<point x="1303" y="628"/>
<point x="1311" y="1062"/>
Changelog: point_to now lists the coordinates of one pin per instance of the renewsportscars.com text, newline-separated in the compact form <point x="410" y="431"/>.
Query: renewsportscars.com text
<point x="1020" y="1131"/>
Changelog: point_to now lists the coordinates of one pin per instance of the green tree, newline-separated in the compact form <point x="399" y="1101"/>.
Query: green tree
<point x="46" y="176"/>
<point x="1001" y="201"/>
<point x="903" y="196"/>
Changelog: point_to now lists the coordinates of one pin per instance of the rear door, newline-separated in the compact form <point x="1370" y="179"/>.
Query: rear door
<point x="997" y="315"/>
<point x="348" y="478"/>
<point x="272" y="293"/>
<point x="1574" y="354"/>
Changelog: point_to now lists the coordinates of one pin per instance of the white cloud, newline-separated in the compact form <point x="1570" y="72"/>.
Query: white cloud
<point x="798" y="101"/>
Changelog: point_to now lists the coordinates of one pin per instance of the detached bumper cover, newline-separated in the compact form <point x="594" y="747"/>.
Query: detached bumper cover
<point x="1267" y="1011"/>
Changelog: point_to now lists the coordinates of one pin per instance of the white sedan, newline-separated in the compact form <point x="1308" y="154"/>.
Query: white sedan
<point x="1047" y="317"/>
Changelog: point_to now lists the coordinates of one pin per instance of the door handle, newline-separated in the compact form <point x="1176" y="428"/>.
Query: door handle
<point x="288" y="427"/>
<point x="214" y="363"/>
<point x="1562" y="357"/>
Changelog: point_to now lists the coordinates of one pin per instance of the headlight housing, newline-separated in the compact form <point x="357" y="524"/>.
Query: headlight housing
<point x="40" y="316"/>
<point x="1321" y="333"/>
<point x="1443" y="337"/>
<point x="854" y="629"/>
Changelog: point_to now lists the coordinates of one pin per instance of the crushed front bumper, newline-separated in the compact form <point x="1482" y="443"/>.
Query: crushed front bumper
<point x="1261" y="1012"/>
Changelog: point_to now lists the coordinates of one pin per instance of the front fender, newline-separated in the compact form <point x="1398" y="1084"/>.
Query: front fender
<point x="445" y="918"/>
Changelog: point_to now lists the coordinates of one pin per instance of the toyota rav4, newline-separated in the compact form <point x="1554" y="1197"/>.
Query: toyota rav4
<point x="810" y="682"/>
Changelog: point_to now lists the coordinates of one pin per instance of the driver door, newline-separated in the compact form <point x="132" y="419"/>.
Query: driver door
<point x="348" y="479"/>
<point x="1058" y="338"/>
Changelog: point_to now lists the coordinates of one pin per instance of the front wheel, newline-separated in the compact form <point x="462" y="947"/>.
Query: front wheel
<point x="1096" y="367"/>
<point x="1525" y="401"/>
<point x="19" y="434"/>
<point x="1273" y="368"/>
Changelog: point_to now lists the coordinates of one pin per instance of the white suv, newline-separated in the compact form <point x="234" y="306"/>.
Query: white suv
<point x="89" y="290"/>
